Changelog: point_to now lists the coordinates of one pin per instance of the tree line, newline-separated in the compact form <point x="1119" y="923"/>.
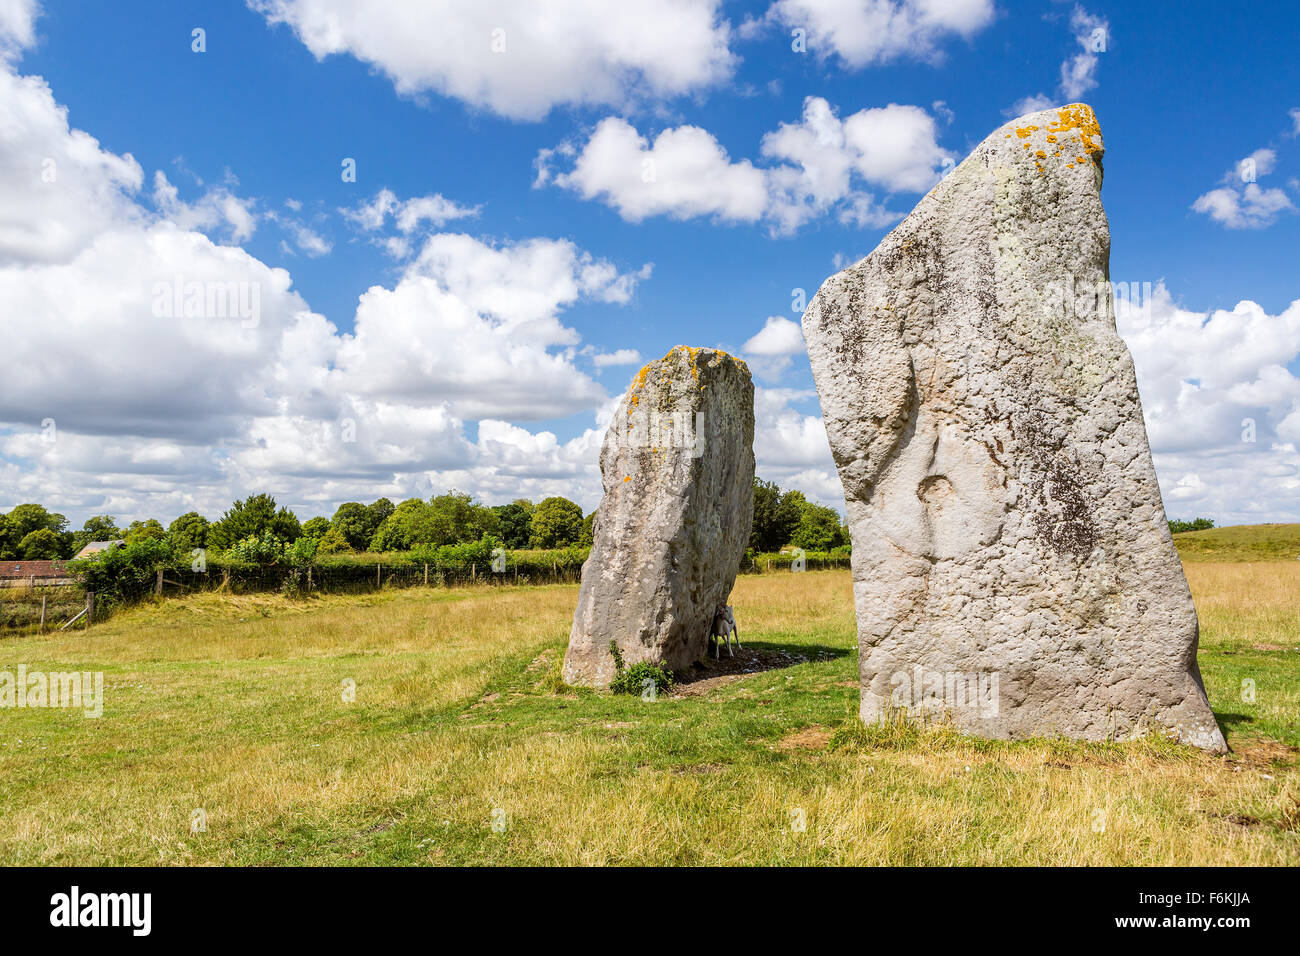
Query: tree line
<point x="256" y="527"/>
<point x="1178" y="526"/>
<point x="31" y="532"/>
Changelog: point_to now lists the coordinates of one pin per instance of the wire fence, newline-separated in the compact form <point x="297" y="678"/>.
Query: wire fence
<point x="31" y="609"/>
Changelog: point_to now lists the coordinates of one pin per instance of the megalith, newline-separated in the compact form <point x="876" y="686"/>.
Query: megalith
<point x="1013" y="569"/>
<point x="677" y="465"/>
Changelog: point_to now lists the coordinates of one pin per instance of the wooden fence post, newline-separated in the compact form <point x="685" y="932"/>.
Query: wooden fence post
<point x="90" y="608"/>
<point x="379" y="570"/>
<point x="426" y="574"/>
<point x="42" y="613"/>
<point x="473" y="573"/>
<point x="157" y="585"/>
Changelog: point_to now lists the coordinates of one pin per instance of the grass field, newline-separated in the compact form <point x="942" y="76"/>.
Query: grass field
<point x="462" y="746"/>
<point x="1250" y="542"/>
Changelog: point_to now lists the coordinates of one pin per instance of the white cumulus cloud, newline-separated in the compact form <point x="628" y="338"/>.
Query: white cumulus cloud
<point x="684" y="173"/>
<point x="521" y="58"/>
<point x="152" y="368"/>
<point x="1221" y="406"/>
<point x="865" y="32"/>
<point x="1241" y="202"/>
<point x="822" y="163"/>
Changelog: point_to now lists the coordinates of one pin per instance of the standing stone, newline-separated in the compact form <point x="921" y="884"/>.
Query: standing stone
<point x="678" y="470"/>
<point x="1012" y="564"/>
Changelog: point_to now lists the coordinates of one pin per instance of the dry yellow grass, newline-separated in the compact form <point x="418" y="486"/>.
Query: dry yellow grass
<point x="235" y="706"/>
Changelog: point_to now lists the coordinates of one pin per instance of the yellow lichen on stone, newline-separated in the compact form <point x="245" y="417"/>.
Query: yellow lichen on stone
<point x="633" y="399"/>
<point x="692" y="357"/>
<point x="1075" y="125"/>
<point x="1080" y="117"/>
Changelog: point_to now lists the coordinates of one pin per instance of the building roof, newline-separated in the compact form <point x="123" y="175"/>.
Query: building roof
<point x="25" y="569"/>
<point x="95" y="547"/>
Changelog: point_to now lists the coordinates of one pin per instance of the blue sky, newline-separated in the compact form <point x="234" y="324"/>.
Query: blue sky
<point x="250" y="133"/>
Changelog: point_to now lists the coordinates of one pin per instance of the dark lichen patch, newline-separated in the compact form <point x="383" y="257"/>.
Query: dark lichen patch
<point x="1059" y="506"/>
<point x="919" y="253"/>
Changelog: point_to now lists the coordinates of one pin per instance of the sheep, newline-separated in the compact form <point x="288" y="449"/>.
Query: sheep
<point x="724" y="625"/>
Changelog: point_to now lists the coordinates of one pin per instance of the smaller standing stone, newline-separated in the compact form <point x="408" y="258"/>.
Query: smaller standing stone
<point x="677" y="466"/>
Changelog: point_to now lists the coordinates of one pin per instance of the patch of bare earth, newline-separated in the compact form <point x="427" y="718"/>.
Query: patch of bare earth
<point x="1263" y="754"/>
<point x="810" y="738"/>
<point x="707" y="676"/>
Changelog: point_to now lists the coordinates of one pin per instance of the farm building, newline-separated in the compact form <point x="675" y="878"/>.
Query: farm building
<point x="16" y="574"/>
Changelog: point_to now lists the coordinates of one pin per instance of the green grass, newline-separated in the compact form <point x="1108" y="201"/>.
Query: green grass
<point x="1252" y="542"/>
<point x="234" y="705"/>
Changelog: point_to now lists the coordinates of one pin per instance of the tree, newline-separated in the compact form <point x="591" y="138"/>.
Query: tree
<point x="96" y="528"/>
<point x="515" y="523"/>
<point x="468" y="520"/>
<point x="302" y="553"/>
<point x="763" y="535"/>
<point x="413" y="522"/>
<point x="315" y="527"/>
<point x="25" y="519"/>
<point x="776" y="516"/>
<point x="41" y="544"/>
<point x="588" y="535"/>
<point x="557" y="523"/>
<point x="188" y="532"/>
<point x="819" y="529"/>
<point x="286" y="526"/>
<point x="378" y="513"/>
<point x="333" y="542"/>
<point x="1199" y="524"/>
<point x="352" y="521"/>
<point x="789" y="509"/>
<point x="253" y="516"/>
<point x="148" y="530"/>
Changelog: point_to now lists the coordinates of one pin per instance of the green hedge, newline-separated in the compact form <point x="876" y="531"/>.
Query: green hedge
<point x="131" y="573"/>
<point x="784" y="561"/>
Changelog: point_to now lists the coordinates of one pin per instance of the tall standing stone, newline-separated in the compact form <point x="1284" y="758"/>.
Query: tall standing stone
<point x="1012" y="564"/>
<point x="677" y="466"/>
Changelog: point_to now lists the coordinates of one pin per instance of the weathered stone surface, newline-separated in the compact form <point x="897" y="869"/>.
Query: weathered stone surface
<point x="1008" y="533"/>
<point x="677" y="466"/>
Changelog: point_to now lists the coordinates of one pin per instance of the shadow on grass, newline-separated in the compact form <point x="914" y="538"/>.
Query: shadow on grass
<point x="1236" y="722"/>
<point x="755" y="658"/>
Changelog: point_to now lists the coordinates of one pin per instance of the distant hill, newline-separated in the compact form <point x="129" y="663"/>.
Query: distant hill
<point x="1243" y="542"/>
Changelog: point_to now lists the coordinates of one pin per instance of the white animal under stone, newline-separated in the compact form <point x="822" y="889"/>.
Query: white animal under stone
<point x="724" y="627"/>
